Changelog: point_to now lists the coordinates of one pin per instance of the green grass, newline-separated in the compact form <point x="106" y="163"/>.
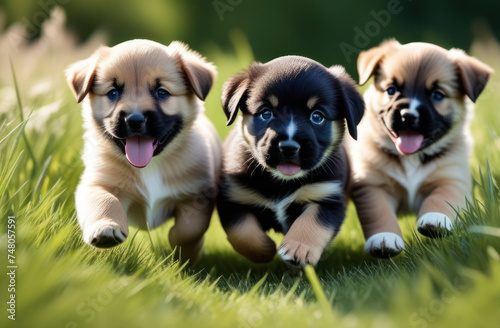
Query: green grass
<point x="61" y="282"/>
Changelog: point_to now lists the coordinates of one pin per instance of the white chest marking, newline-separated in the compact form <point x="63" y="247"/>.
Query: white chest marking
<point x="280" y="208"/>
<point x="412" y="176"/>
<point x="155" y="192"/>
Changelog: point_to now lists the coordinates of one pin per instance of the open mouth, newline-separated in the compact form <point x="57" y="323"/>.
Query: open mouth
<point x="407" y="141"/>
<point x="289" y="168"/>
<point x="139" y="150"/>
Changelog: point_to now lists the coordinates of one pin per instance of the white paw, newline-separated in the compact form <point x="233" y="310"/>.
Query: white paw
<point x="384" y="244"/>
<point x="104" y="235"/>
<point x="434" y="224"/>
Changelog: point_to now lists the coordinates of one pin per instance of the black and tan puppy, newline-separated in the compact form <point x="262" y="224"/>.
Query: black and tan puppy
<point x="284" y="167"/>
<point x="150" y="152"/>
<point x="413" y="149"/>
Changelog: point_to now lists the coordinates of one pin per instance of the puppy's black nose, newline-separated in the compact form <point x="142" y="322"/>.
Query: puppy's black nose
<point x="135" y="120"/>
<point x="409" y="118"/>
<point x="289" y="147"/>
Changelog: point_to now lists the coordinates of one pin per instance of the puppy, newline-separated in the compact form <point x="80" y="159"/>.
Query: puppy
<point x="150" y="152"/>
<point x="414" y="142"/>
<point x="284" y="167"/>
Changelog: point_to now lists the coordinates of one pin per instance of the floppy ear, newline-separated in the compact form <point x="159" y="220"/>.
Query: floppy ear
<point x="473" y="73"/>
<point x="232" y="95"/>
<point x="368" y="60"/>
<point x="80" y="75"/>
<point x="354" y="106"/>
<point x="200" y="74"/>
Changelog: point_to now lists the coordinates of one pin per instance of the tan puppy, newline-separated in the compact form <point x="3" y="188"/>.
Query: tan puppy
<point x="414" y="143"/>
<point x="150" y="152"/>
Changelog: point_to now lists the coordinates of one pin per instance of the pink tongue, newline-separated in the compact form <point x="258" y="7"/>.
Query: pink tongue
<point x="139" y="150"/>
<point x="409" y="142"/>
<point x="288" y="169"/>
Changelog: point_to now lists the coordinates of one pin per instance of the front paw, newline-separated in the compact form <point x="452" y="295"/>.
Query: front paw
<point x="434" y="224"/>
<point x="384" y="245"/>
<point x="104" y="234"/>
<point x="299" y="254"/>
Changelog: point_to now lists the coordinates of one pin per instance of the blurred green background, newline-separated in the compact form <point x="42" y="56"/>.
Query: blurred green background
<point x="274" y="28"/>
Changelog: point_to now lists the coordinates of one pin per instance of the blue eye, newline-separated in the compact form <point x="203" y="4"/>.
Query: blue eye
<point x="437" y="96"/>
<point x="161" y="94"/>
<point x="113" y="94"/>
<point x="391" y="91"/>
<point x="266" y="115"/>
<point x="317" y="117"/>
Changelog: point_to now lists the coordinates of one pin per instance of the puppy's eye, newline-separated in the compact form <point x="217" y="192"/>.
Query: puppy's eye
<point x="113" y="94"/>
<point x="391" y="91"/>
<point x="161" y="94"/>
<point x="317" y="117"/>
<point x="266" y="115"/>
<point x="437" y="96"/>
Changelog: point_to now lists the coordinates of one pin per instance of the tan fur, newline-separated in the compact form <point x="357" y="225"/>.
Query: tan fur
<point x="384" y="185"/>
<point x="312" y="102"/>
<point x="274" y="101"/>
<point x="179" y="181"/>
<point x="248" y="239"/>
<point x="306" y="239"/>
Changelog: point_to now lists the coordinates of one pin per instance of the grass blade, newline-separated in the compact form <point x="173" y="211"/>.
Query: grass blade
<point x="490" y="181"/>
<point x="18" y="94"/>
<point x="492" y="231"/>
<point x="317" y="288"/>
<point x="12" y="131"/>
<point x="41" y="179"/>
<point x="20" y="105"/>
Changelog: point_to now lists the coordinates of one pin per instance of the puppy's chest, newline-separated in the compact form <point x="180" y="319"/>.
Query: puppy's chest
<point x="158" y="198"/>
<point x="411" y="176"/>
<point x="287" y="206"/>
<point x="155" y="188"/>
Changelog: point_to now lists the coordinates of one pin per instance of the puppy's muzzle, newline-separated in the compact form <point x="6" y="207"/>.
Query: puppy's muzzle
<point x="135" y="121"/>
<point x="289" y="148"/>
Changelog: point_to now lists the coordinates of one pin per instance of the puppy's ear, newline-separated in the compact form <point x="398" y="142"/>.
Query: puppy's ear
<point x="473" y="73"/>
<point x="354" y="106"/>
<point x="369" y="60"/>
<point x="200" y="74"/>
<point x="80" y="75"/>
<point x="233" y="92"/>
